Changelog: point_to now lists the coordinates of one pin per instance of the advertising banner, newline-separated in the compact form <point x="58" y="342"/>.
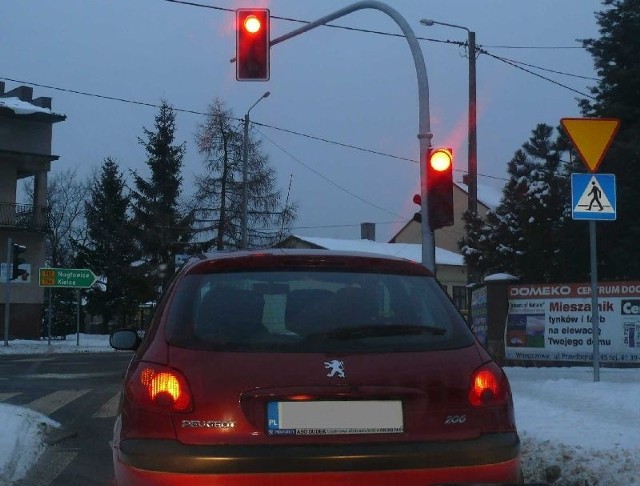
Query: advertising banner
<point x="479" y="324"/>
<point x="553" y="322"/>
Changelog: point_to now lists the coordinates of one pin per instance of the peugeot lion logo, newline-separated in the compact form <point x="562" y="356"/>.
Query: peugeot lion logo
<point x="335" y="367"/>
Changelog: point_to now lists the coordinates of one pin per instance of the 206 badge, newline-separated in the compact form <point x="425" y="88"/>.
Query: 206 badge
<point x="335" y="367"/>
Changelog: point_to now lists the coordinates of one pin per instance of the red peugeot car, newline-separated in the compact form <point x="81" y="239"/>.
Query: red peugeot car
<point x="299" y="367"/>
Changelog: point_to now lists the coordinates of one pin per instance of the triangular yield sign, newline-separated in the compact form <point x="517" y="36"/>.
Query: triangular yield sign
<point x="591" y="137"/>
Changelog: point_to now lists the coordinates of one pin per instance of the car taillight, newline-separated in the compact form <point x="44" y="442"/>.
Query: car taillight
<point x="489" y="386"/>
<point x="160" y="387"/>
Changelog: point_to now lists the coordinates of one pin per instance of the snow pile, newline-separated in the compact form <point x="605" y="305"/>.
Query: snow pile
<point x="575" y="431"/>
<point x="22" y="440"/>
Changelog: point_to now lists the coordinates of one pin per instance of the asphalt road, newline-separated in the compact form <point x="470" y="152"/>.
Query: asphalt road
<point x="80" y="391"/>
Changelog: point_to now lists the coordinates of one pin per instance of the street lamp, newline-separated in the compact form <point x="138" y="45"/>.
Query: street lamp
<point x="245" y="159"/>
<point x="472" y="182"/>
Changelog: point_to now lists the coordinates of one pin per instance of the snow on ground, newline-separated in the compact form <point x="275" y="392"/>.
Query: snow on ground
<point x="574" y="431"/>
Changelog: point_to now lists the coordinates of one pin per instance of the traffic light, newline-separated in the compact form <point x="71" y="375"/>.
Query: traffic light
<point x="17" y="272"/>
<point x="252" y="44"/>
<point x="440" y="187"/>
<point x="417" y="199"/>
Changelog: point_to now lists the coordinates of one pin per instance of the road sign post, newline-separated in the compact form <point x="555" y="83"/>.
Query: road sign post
<point x="69" y="278"/>
<point x="592" y="198"/>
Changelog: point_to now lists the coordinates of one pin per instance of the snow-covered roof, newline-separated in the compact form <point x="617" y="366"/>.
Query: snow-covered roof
<point x="20" y="107"/>
<point x="409" y="251"/>
<point x="487" y="195"/>
<point x="497" y="277"/>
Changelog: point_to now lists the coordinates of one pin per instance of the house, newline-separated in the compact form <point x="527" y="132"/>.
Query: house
<point x="449" y="265"/>
<point x="25" y="152"/>
<point x="448" y="237"/>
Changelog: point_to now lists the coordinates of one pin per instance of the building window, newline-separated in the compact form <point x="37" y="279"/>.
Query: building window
<point x="460" y="297"/>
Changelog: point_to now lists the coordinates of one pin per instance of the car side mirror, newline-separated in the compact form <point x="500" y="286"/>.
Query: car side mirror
<point x="125" y="340"/>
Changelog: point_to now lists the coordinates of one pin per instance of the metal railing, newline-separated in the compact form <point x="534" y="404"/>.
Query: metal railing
<point x="23" y="216"/>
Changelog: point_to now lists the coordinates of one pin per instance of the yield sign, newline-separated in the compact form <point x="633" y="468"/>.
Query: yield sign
<point x="591" y="137"/>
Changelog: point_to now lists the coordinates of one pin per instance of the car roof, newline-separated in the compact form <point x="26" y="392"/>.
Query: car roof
<point x="264" y="259"/>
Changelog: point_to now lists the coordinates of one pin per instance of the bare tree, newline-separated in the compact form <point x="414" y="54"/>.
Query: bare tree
<point x="66" y="195"/>
<point x="219" y="191"/>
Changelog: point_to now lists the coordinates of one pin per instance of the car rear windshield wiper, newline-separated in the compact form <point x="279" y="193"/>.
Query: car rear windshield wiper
<point x="379" y="330"/>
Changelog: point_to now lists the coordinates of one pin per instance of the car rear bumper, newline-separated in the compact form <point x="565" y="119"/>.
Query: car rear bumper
<point x="494" y="457"/>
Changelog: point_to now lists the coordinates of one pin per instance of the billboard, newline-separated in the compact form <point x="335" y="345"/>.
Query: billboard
<point x="553" y="322"/>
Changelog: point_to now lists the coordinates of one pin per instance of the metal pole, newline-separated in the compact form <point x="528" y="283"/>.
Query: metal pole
<point x="595" y="317"/>
<point x="424" y="121"/>
<point x="49" y="316"/>
<point x="245" y="170"/>
<point x="472" y="152"/>
<point x="78" y="321"/>
<point x="473" y="141"/>
<point x="7" y="291"/>
<point x="245" y="193"/>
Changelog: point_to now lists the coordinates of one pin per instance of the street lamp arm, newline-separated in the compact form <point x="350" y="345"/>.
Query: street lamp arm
<point x="430" y="22"/>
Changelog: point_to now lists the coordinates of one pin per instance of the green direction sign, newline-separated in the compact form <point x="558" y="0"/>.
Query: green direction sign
<point x="71" y="278"/>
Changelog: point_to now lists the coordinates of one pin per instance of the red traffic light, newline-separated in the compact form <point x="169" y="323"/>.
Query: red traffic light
<point x="252" y="44"/>
<point x="252" y="24"/>
<point x="440" y="187"/>
<point x="441" y="159"/>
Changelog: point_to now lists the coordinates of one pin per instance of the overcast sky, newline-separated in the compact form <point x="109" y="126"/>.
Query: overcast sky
<point x="344" y="86"/>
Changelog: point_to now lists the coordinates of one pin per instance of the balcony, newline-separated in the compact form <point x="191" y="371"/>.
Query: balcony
<point x="23" y="217"/>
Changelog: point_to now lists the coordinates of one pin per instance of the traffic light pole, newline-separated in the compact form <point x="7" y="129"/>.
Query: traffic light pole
<point x="424" y="124"/>
<point x="7" y="291"/>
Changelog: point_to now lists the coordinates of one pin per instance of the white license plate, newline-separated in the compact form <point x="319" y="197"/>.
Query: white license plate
<point x="335" y="417"/>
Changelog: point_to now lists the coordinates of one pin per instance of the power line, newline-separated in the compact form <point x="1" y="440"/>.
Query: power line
<point x="588" y="78"/>
<point x="201" y="113"/>
<point x="308" y="167"/>
<point x="320" y="139"/>
<point x="458" y="43"/>
<point x="366" y="31"/>
<point x="513" y="64"/>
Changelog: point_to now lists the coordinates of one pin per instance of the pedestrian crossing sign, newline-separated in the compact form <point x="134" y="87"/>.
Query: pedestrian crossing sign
<point x="593" y="196"/>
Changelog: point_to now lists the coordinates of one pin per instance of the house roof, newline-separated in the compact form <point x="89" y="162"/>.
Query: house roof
<point x="489" y="196"/>
<point x="409" y="251"/>
<point x="17" y="107"/>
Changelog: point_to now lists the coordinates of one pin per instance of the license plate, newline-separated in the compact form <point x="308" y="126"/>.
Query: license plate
<point x="335" y="417"/>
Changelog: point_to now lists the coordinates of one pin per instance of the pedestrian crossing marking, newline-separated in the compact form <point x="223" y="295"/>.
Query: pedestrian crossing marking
<point x="48" y="404"/>
<point x="594" y="198"/>
<point x="110" y="408"/>
<point x="7" y="396"/>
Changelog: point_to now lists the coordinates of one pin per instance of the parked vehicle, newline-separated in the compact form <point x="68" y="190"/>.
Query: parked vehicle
<point x="296" y="367"/>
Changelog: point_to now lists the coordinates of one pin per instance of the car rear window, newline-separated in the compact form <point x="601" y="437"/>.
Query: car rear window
<point x="313" y="311"/>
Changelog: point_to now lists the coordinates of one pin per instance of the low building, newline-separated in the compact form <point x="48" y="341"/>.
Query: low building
<point x="25" y="152"/>
<point x="448" y="237"/>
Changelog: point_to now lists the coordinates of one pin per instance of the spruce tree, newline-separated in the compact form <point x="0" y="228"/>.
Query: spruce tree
<point x="617" y="95"/>
<point x="109" y="248"/>
<point x="526" y="234"/>
<point x="161" y="226"/>
<point x="219" y="195"/>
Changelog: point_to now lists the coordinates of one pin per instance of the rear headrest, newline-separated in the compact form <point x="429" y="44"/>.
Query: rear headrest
<point x="231" y="312"/>
<point x="307" y="309"/>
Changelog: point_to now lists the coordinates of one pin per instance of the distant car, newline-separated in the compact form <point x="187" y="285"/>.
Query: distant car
<point x="300" y="367"/>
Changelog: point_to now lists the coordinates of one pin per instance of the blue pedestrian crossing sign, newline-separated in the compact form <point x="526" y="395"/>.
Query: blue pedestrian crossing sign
<point x="593" y="196"/>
